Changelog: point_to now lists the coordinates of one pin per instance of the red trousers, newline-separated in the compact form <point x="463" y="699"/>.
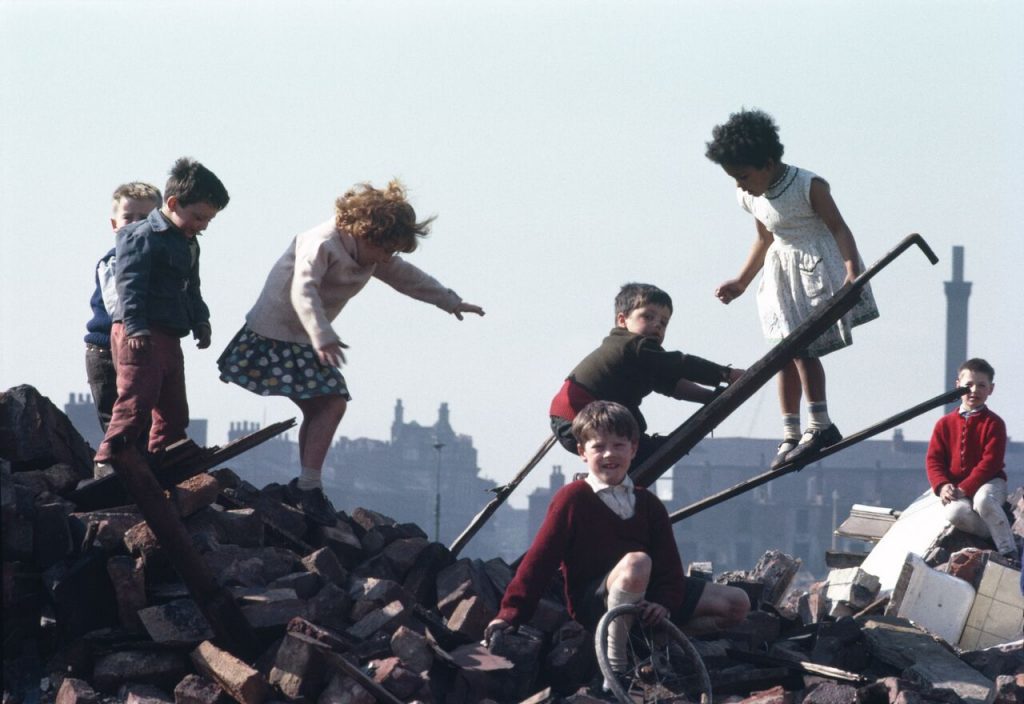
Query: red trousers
<point x="150" y="387"/>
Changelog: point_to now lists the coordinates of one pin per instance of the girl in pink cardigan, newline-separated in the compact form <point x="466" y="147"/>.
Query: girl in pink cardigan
<point x="287" y="346"/>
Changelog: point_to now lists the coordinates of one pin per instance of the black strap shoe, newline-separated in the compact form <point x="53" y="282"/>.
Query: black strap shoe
<point x="813" y="440"/>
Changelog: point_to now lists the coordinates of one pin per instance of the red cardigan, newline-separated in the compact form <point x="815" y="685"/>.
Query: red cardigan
<point x="585" y="538"/>
<point x="966" y="452"/>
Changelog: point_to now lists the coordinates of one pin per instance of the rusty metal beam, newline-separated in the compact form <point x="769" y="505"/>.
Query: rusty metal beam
<point x="745" y="486"/>
<point x="694" y="429"/>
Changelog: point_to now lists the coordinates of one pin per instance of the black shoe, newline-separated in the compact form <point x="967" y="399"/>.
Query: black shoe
<point x="785" y="447"/>
<point x="813" y="440"/>
<point x="312" y="502"/>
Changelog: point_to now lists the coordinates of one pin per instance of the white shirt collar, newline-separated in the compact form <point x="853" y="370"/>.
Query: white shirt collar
<point x="620" y="498"/>
<point x="597" y="485"/>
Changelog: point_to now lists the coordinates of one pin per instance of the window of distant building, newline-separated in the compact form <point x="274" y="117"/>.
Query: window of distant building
<point x="744" y="518"/>
<point x="803" y="522"/>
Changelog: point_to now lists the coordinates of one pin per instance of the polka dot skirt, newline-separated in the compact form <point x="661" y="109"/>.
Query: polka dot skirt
<point x="274" y="368"/>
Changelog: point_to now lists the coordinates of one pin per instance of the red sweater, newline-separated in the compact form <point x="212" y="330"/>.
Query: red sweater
<point x="585" y="539"/>
<point x="966" y="452"/>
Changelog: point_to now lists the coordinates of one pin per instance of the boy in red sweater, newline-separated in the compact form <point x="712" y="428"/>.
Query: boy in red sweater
<point x="965" y="461"/>
<point x="613" y="542"/>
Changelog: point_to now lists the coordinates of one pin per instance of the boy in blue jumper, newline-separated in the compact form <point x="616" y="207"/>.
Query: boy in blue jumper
<point x="158" y="303"/>
<point x="132" y="202"/>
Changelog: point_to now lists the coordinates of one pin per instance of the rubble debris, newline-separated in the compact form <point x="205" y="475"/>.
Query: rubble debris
<point x="369" y="610"/>
<point x="933" y="600"/>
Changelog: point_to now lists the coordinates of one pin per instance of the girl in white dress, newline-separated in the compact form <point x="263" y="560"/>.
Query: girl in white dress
<point x="807" y="253"/>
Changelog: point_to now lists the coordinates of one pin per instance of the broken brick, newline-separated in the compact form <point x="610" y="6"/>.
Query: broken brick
<point x="194" y="689"/>
<point x="76" y="691"/>
<point x="241" y="682"/>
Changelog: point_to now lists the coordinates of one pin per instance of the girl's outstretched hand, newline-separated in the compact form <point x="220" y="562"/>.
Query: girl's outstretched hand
<point x="331" y="354"/>
<point x="733" y="288"/>
<point x="464" y="307"/>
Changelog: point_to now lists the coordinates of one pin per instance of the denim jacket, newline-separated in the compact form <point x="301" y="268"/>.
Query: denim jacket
<point x="158" y="278"/>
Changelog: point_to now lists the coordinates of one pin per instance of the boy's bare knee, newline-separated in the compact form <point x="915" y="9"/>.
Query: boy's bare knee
<point x="632" y="572"/>
<point x="738" y="606"/>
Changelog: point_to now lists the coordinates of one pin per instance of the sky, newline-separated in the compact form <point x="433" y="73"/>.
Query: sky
<point x="561" y="147"/>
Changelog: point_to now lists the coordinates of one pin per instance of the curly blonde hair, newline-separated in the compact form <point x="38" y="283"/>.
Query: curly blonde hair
<point x="382" y="217"/>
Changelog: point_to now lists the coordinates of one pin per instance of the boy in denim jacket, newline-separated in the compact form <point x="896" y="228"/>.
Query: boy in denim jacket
<point x="159" y="302"/>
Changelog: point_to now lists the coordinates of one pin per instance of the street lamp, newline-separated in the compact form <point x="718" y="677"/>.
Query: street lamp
<point x="437" y="496"/>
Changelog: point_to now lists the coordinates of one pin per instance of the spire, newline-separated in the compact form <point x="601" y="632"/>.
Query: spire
<point x="957" y="293"/>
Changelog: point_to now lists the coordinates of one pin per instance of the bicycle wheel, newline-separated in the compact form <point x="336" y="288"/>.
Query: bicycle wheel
<point x="663" y="666"/>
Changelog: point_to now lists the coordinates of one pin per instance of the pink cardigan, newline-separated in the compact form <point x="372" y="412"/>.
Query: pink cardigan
<point x="317" y="275"/>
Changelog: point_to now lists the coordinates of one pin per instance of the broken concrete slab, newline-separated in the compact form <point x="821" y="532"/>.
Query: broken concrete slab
<point x="852" y="586"/>
<point x="997" y="614"/>
<point x="919" y="656"/>
<point x="933" y="600"/>
<point x="179" y="622"/>
<point x="916" y="531"/>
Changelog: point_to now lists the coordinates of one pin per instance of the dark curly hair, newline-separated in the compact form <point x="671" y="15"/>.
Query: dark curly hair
<point x="748" y="138"/>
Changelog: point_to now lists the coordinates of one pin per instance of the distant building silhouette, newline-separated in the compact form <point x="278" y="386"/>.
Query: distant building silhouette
<point x="399" y="478"/>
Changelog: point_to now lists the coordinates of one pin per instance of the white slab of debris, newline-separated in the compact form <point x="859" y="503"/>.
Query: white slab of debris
<point x="914" y="532"/>
<point x="997" y="615"/>
<point x="936" y="601"/>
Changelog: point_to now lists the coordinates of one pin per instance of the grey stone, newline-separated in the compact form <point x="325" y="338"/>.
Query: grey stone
<point x="194" y="689"/>
<point x="161" y="669"/>
<point x="179" y="622"/>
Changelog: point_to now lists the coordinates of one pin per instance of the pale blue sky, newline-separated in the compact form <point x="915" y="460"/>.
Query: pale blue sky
<point x="561" y="146"/>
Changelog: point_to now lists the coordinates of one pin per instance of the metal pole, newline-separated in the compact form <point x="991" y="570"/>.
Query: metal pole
<point x="437" y="496"/>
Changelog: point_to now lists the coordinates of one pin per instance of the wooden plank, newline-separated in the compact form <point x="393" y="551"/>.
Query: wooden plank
<point x="691" y="432"/>
<point x="502" y="493"/>
<point x="217" y="604"/>
<point x="924" y="658"/>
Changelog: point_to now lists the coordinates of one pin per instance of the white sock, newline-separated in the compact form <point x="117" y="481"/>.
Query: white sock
<point x="310" y="479"/>
<point x="618" y="631"/>
<point x="790" y="427"/>
<point x="818" y="412"/>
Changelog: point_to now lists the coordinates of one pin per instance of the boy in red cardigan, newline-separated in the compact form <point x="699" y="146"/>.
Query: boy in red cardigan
<point x="613" y="542"/>
<point x="965" y="461"/>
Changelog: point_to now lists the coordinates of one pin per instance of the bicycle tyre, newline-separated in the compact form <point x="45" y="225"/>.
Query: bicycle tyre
<point x="656" y="653"/>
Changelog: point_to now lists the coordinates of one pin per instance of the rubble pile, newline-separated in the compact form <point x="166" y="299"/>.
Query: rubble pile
<point x="369" y="609"/>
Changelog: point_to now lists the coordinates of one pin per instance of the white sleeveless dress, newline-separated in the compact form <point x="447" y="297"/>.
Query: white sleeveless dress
<point x="803" y="267"/>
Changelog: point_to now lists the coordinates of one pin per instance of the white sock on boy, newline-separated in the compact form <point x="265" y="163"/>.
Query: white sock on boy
<point x="618" y="631"/>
